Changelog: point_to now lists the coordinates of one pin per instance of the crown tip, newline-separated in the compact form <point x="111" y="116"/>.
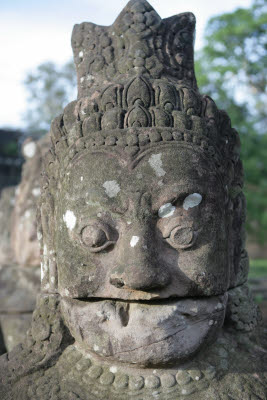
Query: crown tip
<point x="138" y="43"/>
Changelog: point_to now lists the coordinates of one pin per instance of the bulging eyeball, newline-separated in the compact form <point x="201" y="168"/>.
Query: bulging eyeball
<point x="96" y="237"/>
<point x="182" y="237"/>
<point x="93" y="236"/>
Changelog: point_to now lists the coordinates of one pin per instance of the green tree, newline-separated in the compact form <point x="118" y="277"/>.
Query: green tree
<point x="50" y="88"/>
<point x="232" y="69"/>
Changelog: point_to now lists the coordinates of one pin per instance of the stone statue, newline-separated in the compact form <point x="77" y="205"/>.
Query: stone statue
<point x="7" y="201"/>
<point x="19" y="248"/>
<point x="141" y="221"/>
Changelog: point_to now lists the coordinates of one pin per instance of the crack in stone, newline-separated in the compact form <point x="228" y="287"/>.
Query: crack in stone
<point x="161" y="340"/>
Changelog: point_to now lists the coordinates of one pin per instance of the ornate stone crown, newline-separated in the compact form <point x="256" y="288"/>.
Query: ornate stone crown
<point x="138" y="43"/>
<point x="137" y="88"/>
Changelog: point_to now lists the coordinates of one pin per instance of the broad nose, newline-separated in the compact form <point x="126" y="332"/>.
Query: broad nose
<point x="137" y="263"/>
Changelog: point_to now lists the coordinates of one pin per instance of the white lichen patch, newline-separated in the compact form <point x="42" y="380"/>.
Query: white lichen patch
<point x="44" y="270"/>
<point x="134" y="241"/>
<point x="112" y="188"/>
<point x="69" y="219"/>
<point x="39" y="235"/>
<point x="192" y="200"/>
<point x="166" y="211"/>
<point x="156" y="164"/>
<point x="27" y="214"/>
<point x="81" y="54"/>
<point x="36" y="192"/>
<point x="113" y="369"/>
<point x="82" y="79"/>
<point x="90" y="78"/>
<point x="29" y="149"/>
<point x="96" y="348"/>
<point x="81" y="178"/>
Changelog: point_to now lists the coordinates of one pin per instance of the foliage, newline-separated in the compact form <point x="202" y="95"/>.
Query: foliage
<point x="232" y="69"/>
<point x="50" y="89"/>
<point x="10" y="149"/>
<point x="258" y="268"/>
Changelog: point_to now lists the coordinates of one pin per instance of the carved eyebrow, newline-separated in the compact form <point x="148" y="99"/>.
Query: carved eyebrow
<point x="85" y="203"/>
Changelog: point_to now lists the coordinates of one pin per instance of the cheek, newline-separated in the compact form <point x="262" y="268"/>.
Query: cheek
<point x="204" y="261"/>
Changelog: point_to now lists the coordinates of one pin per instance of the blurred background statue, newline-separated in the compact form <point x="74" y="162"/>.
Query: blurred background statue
<point x="19" y="247"/>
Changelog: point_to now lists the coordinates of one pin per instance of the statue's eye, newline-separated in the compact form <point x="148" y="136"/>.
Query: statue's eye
<point x="95" y="238"/>
<point x="181" y="237"/>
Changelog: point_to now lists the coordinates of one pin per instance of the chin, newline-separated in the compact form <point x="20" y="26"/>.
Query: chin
<point x="154" y="333"/>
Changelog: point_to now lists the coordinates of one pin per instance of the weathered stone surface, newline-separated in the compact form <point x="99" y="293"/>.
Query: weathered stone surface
<point x="141" y="222"/>
<point x="20" y="251"/>
<point x="7" y="201"/>
<point x="19" y="287"/>
<point x="231" y="368"/>
<point x="24" y="228"/>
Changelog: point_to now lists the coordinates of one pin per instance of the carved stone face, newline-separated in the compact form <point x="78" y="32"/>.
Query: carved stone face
<point x="142" y="253"/>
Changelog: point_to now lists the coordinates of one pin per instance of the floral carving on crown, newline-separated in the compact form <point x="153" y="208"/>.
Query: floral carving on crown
<point x="140" y="103"/>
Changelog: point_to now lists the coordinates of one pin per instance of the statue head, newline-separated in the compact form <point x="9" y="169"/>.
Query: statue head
<point x="142" y="211"/>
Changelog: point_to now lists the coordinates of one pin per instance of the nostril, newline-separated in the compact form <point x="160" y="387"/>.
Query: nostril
<point x="124" y="314"/>
<point x="117" y="282"/>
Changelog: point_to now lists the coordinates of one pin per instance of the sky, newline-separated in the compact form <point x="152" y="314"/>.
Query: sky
<point x="36" y="31"/>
